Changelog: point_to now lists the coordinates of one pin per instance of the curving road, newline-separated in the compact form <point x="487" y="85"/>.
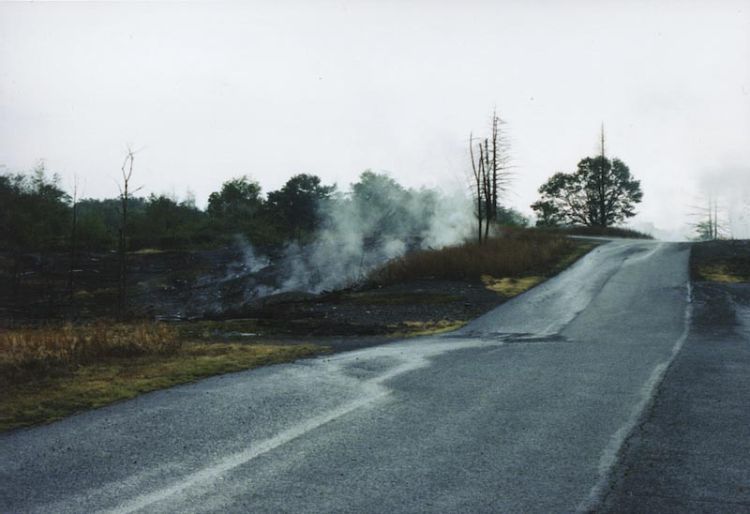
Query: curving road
<point x="525" y="409"/>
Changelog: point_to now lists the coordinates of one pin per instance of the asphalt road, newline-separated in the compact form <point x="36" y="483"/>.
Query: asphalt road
<point x="536" y="407"/>
<point x="691" y="450"/>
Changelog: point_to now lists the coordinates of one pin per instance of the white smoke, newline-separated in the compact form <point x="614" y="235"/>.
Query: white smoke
<point x="251" y="261"/>
<point x="377" y="221"/>
<point x="729" y="188"/>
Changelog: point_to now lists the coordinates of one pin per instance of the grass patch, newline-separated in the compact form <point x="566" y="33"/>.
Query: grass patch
<point x="209" y="330"/>
<point x="426" y="328"/>
<point x="510" y="286"/>
<point x="516" y="255"/>
<point x="513" y="286"/>
<point x="724" y="273"/>
<point x="507" y="265"/>
<point x="50" y="373"/>
<point x="33" y="353"/>
<point x="620" y="232"/>
<point x="147" y="251"/>
<point x="722" y="261"/>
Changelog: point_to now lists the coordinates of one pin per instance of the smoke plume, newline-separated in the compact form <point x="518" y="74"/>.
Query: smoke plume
<point x="377" y="221"/>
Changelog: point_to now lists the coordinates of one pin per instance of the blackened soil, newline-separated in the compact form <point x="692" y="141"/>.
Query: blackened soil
<point x="732" y="256"/>
<point x="209" y="295"/>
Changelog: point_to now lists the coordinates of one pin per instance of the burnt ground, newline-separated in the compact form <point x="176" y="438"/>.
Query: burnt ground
<point x="228" y="295"/>
<point x="211" y="295"/>
<point x="351" y="319"/>
<point x="170" y="284"/>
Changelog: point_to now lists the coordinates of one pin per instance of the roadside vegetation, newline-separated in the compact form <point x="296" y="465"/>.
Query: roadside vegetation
<point x="594" y="231"/>
<point x="49" y="373"/>
<point x="519" y="254"/>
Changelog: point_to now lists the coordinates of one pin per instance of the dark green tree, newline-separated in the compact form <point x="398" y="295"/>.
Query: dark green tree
<point x="34" y="216"/>
<point x="99" y="221"/>
<point x="296" y="205"/>
<point x="380" y="203"/>
<point x="601" y="192"/>
<point x="237" y="203"/>
<point x="167" y="223"/>
<point x="510" y="217"/>
<point x="238" y="209"/>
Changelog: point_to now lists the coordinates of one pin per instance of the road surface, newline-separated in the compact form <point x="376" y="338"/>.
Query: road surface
<point x="541" y="405"/>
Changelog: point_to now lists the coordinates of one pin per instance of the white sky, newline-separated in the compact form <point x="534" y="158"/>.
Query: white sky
<point x="210" y="91"/>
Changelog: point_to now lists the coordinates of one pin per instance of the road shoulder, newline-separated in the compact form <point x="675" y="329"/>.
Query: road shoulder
<point x="691" y="452"/>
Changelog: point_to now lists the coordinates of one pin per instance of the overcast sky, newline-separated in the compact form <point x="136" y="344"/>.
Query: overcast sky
<point x="209" y="91"/>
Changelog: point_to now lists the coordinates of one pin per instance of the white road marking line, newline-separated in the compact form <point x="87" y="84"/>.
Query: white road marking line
<point x="610" y="455"/>
<point x="373" y="390"/>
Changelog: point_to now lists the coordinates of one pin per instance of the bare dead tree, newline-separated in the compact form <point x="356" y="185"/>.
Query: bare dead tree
<point x="73" y="242"/>
<point x="477" y="171"/>
<point x="490" y="175"/>
<point x="484" y="153"/>
<point x="499" y="161"/>
<point x="124" y="187"/>
<point x="481" y="166"/>
<point x="709" y="224"/>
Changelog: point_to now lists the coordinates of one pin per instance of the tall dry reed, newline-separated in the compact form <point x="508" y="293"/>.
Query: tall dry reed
<point x="34" y="352"/>
<point x="510" y="256"/>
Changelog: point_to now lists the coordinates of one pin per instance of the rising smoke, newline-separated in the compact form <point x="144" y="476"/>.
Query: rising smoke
<point x="729" y="188"/>
<point x="376" y="221"/>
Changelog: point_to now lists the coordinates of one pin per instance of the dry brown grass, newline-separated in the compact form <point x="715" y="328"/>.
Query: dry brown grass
<point x="51" y="397"/>
<point x="598" y="232"/>
<point x="514" y="255"/>
<point x="49" y="373"/>
<point x="26" y="354"/>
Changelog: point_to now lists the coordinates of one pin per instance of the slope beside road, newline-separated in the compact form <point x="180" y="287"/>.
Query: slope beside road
<point x="525" y="409"/>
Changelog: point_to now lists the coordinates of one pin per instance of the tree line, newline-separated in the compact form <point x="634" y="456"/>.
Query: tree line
<point x="38" y="214"/>
<point x="38" y="217"/>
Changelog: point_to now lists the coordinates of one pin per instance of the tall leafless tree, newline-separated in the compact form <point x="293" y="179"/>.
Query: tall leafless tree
<point x="490" y="174"/>
<point x="73" y="241"/>
<point x="477" y="172"/>
<point x="125" y="191"/>
<point x="710" y="224"/>
<point x="484" y="154"/>
<point x="499" y="162"/>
